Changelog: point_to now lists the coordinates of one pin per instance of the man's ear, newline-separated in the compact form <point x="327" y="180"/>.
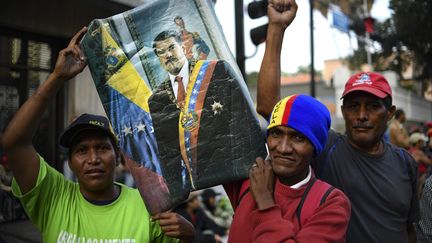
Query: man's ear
<point x="391" y="112"/>
<point x="69" y="159"/>
<point x="118" y="160"/>
<point x="119" y="157"/>
<point x="70" y="164"/>
<point x="343" y="111"/>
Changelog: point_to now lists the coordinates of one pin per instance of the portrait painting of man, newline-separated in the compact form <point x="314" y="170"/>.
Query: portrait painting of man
<point x="175" y="99"/>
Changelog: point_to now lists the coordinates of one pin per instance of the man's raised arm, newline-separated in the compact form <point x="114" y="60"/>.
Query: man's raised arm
<point x="17" y="138"/>
<point x="281" y="13"/>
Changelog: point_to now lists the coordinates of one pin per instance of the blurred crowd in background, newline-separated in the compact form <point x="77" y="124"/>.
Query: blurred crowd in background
<point x="209" y="210"/>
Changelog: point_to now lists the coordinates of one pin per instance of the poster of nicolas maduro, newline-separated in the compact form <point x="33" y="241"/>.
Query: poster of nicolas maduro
<point x="174" y="97"/>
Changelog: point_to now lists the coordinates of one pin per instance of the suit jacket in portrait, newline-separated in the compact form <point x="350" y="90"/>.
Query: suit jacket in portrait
<point x="217" y="136"/>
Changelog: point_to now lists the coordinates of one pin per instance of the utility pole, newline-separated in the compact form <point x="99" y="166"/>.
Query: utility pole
<point x="367" y="36"/>
<point x="312" y="66"/>
<point x="239" y="31"/>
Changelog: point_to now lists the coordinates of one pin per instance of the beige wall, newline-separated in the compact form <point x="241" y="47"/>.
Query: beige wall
<point x="330" y="67"/>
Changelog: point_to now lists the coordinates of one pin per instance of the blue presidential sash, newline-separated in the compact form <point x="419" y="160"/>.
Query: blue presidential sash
<point x="190" y="115"/>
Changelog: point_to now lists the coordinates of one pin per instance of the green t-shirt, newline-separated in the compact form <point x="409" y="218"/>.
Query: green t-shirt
<point x="56" y="206"/>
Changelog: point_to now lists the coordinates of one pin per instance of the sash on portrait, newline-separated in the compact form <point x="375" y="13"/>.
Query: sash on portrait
<point x="189" y="122"/>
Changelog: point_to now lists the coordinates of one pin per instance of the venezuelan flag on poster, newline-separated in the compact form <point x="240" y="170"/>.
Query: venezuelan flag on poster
<point x="127" y="106"/>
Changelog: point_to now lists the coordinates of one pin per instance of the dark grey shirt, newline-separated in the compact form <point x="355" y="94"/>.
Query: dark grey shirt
<point x="382" y="189"/>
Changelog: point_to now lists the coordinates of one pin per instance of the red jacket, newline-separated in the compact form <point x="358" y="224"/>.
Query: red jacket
<point x="327" y="223"/>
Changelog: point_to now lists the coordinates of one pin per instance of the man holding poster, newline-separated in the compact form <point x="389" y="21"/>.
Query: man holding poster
<point x="96" y="208"/>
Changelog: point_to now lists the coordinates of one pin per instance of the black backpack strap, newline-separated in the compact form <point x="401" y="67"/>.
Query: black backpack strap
<point x="242" y="195"/>
<point x="300" y="206"/>
<point x="407" y="166"/>
<point x="405" y="159"/>
<point x="326" y="194"/>
<point x="303" y="199"/>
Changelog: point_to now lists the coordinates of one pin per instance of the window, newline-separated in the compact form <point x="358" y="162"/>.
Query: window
<point x="25" y="62"/>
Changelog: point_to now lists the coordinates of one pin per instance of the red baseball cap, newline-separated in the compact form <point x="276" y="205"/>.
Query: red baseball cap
<point x="370" y="82"/>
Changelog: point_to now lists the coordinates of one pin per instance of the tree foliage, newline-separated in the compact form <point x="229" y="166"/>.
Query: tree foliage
<point x="405" y="39"/>
<point x="412" y="21"/>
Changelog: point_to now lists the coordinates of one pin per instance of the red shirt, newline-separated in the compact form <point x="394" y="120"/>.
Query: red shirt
<point x="328" y="222"/>
<point x="422" y="168"/>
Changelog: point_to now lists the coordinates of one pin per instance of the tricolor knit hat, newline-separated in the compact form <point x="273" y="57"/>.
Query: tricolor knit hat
<point x="306" y="115"/>
<point x="373" y="83"/>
